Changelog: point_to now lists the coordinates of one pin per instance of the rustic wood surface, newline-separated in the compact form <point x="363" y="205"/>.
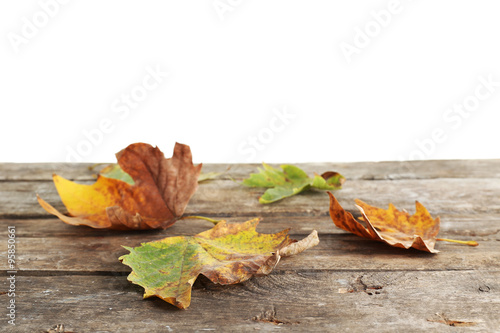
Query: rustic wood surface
<point x="71" y="275"/>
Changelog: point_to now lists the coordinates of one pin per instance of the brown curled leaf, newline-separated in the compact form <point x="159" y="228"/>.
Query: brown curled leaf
<point x="394" y="227"/>
<point x="159" y="194"/>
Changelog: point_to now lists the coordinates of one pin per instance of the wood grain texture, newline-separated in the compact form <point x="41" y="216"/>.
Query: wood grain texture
<point x="68" y="274"/>
<point x="95" y="250"/>
<point x="296" y="301"/>
<point x="228" y="198"/>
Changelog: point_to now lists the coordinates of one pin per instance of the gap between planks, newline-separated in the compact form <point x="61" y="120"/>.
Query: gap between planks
<point x="276" y="272"/>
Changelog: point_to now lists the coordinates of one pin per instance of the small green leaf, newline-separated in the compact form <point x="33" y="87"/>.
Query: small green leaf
<point x="294" y="173"/>
<point x="208" y="176"/>
<point x="284" y="191"/>
<point x="114" y="171"/>
<point x="267" y="177"/>
<point x="291" y="181"/>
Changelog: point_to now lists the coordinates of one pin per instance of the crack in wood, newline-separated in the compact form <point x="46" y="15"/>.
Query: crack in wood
<point x="454" y="323"/>
<point x="41" y="273"/>
<point x="269" y="316"/>
<point x="59" y="328"/>
<point x="360" y="285"/>
<point x="284" y="272"/>
<point x="484" y="289"/>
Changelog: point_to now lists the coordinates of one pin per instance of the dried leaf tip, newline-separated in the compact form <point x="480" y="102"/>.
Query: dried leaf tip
<point x="300" y="246"/>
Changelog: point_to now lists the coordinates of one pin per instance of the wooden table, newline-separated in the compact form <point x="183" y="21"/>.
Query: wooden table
<point x="71" y="275"/>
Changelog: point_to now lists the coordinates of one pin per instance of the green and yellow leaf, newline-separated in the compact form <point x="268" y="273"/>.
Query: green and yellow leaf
<point x="226" y="254"/>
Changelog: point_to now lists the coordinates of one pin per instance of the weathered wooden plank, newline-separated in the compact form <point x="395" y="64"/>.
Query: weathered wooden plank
<point x="479" y="226"/>
<point x="340" y="251"/>
<point x="227" y="198"/>
<point x="354" y="170"/>
<point x="66" y="273"/>
<point x="295" y="301"/>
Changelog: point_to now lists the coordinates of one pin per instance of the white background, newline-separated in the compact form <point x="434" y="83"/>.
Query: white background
<point x="233" y="64"/>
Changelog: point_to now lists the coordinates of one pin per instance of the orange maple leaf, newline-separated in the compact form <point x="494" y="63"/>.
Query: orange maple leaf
<point x="157" y="199"/>
<point x="394" y="227"/>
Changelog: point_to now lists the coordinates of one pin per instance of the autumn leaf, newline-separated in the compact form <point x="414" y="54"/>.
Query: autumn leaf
<point x="149" y="192"/>
<point x="396" y="228"/>
<point x="291" y="181"/>
<point x="226" y="254"/>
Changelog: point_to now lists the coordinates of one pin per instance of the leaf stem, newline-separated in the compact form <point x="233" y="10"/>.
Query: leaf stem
<point x="470" y="243"/>
<point x="200" y="218"/>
